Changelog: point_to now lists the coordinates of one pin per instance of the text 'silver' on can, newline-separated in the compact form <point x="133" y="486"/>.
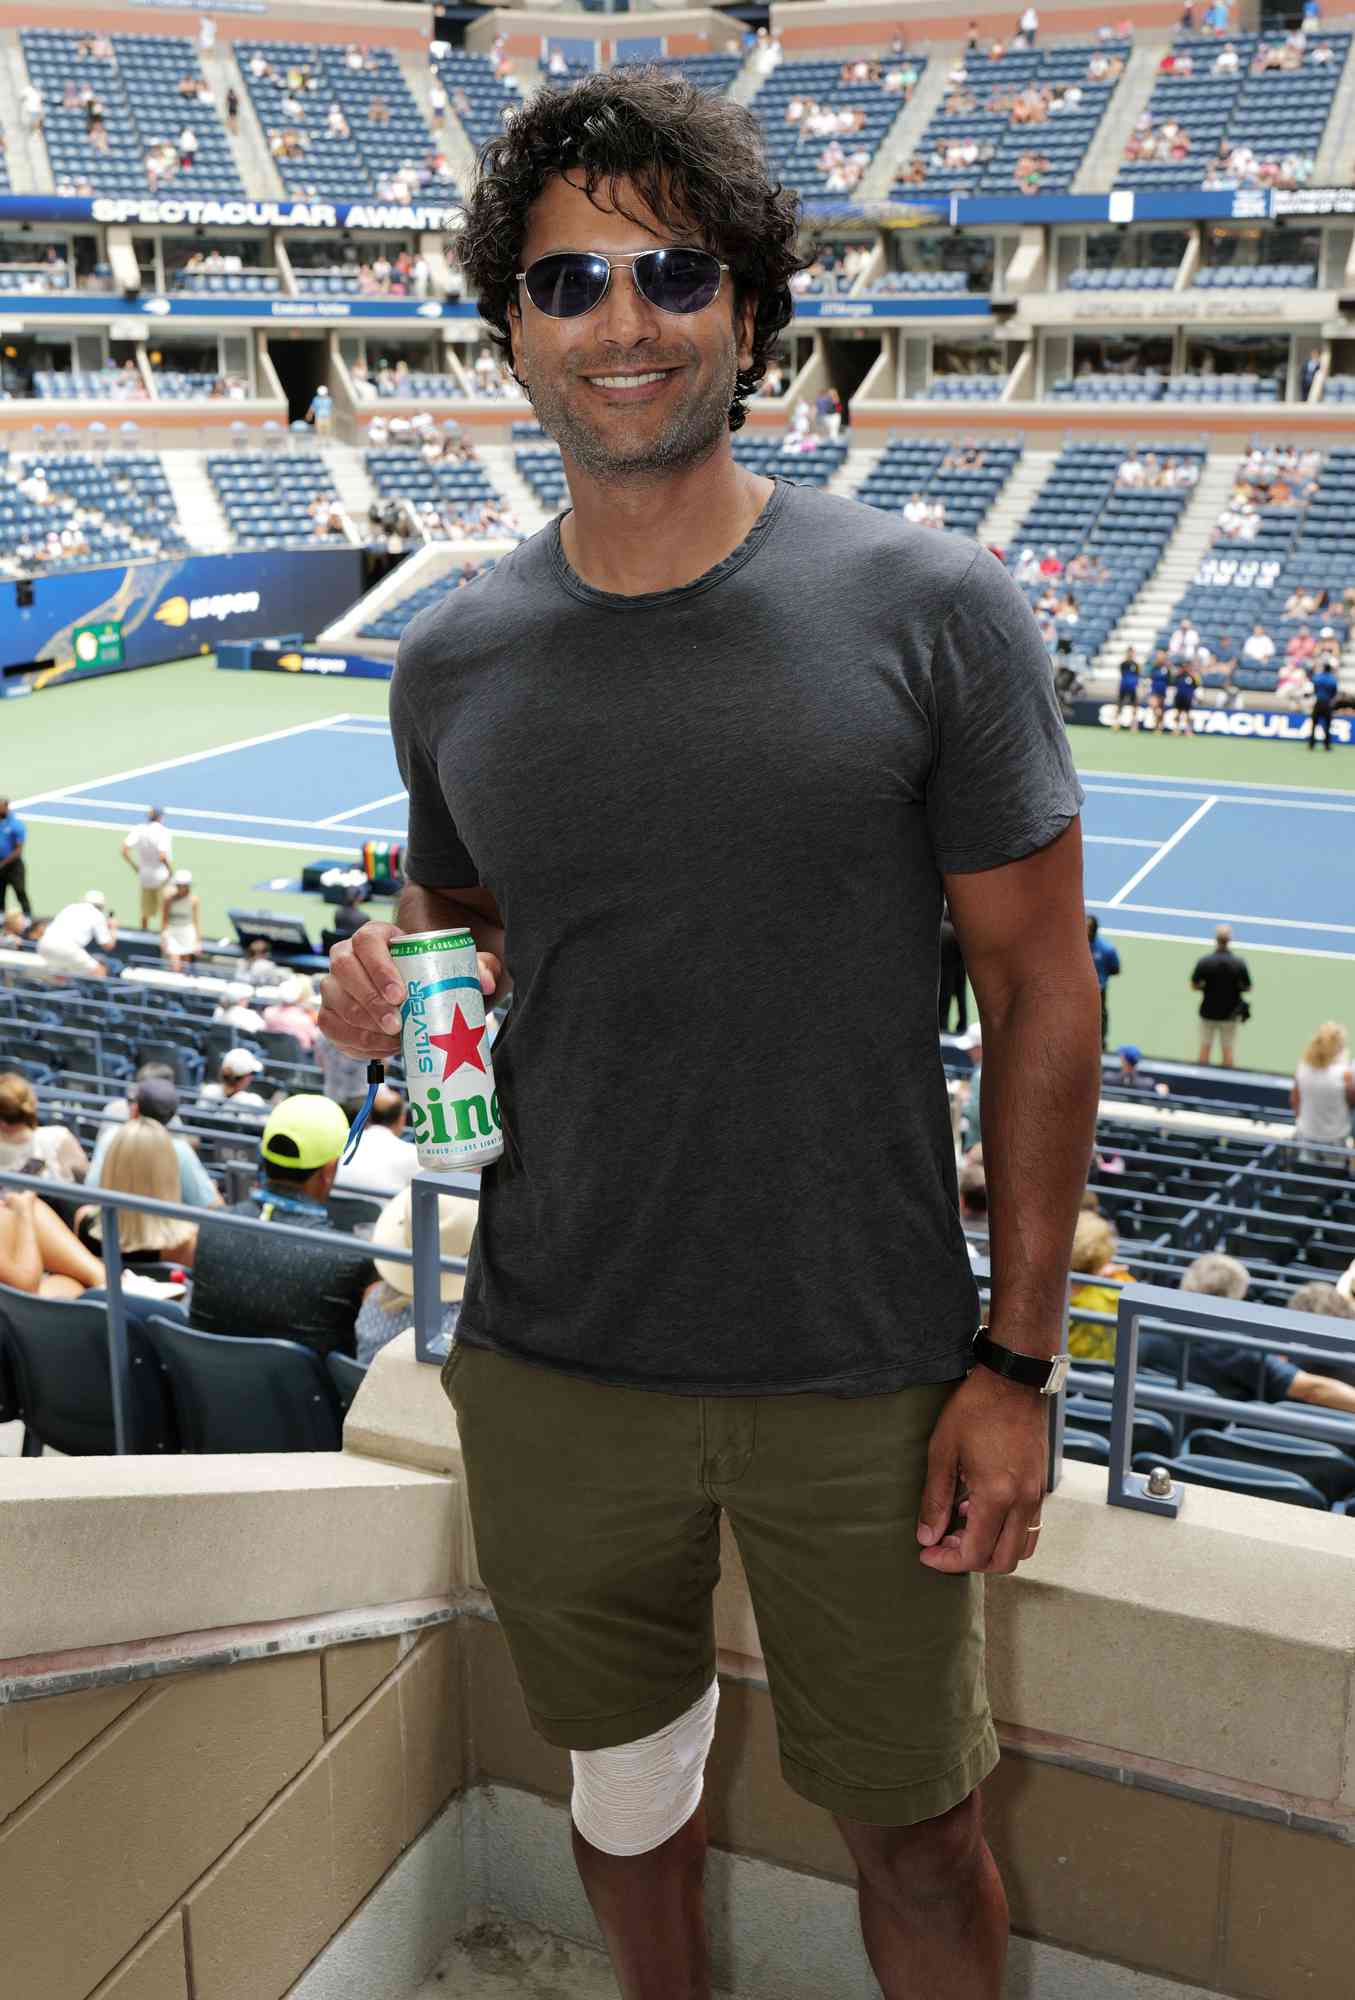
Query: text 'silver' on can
<point x="453" y="1105"/>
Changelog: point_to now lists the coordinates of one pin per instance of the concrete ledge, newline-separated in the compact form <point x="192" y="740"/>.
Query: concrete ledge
<point x="103" y="1550"/>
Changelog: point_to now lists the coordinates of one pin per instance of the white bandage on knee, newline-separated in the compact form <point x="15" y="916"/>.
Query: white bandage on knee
<point x="632" y="1798"/>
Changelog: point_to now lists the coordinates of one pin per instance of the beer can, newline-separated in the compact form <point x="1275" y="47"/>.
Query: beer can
<point x="449" y="1075"/>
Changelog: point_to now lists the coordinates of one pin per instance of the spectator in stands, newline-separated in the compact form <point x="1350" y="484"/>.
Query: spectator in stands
<point x="180" y="920"/>
<point x="48" y="1152"/>
<point x="1221" y="978"/>
<point x="1327" y="1301"/>
<point x="1094" y="1258"/>
<point x="350" y="915"/>
<point x="118" y="1109"/>
<point x="1323" y="1093"/>
<point x="39" y="1254"/>
<point x="378" y="111"/>
<point x="158" y="1100"/>
<point x="232" y="109"/>
<point x="141" y="1159"/>
<point x="239" y="1067"/>
<point x="294" y="1010"/>
<point x="385" y="1160"/>
<point x="1259" y="647"/>
<point x="148" y="851"/>
<point x="276" y="1287"/>
<point x="236" y="1010"/>
<point x="1106" y="960"/>
<point x="388" y="1309"/>
<point x="13" y="872"/>
<point x="1240" y="1372"/>
<point x="1292" y="686"/>
<point x="1325" y="687"/>
<point x="1184" y="640"/>
<point x="66" y="942"/>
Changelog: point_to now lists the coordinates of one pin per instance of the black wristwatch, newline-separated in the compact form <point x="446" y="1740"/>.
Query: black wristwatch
<point x="1046" y="1376"/>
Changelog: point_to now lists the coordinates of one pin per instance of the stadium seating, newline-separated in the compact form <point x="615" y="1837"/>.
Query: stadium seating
<point x="372" y="152"/>
<point x="83" y="385"/>
<point x="391" y="622"/>
<point x="794" y="158"/>
<point x="768" y="456"/>
<point x="1062" y="137"/>
<point x="139" y="91"/>
<point x="1124" y="278"/>
<point x="949" y="282"/>
<point x="424" y="384"/>
<point x="966" y="388"/>
<point x="1281" y="112"/>
<point x="1231" y="277"/>
<point x="1245" y="583"/>
<point x="126" y="494"/>
<point x="265" y="496"/>
<point x="228" y="284"/>
<point x="911" y="466"/>
<point x="1081" y="508"/>
<point x="1340" y="389"/>
<point x="477" y="96"/>
<point x="401" y="474"/>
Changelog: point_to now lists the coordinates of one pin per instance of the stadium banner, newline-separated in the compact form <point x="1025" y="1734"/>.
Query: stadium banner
<point x="1277" y="725"/>
<point x="943" y="305"/>
<point x="199" y="212"/>
<point x="166" y="609"/>
<point x="284" y="656"/>
<point x="206" y="305"/>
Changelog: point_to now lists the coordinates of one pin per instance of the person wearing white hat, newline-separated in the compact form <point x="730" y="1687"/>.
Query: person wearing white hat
<point x="235" y="1010"/>
<point x="180" y="920"/>
<point x="388" y="1308"/>
<point x="238" y="1069"/>
<point x="65" y="944"/>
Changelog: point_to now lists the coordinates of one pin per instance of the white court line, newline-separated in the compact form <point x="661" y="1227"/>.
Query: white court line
<point x="172" y="763"/>
<point x="1186" y="826"/>
<point x="1219" y="784"/>
<point x="1230" y="799"/>
<point x="1239" y="917"/>
<point x="231" y="818"/>
<point x="337" y="819"/>
<point x="1115" y="840"/>
<point x="346" y="729"/>
<point x="1281" y="950"/>
<point x="185" y="833"/>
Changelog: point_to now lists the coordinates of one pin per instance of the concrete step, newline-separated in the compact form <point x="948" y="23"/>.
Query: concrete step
<point x="30" y="170"/>
<point x="854" y="471"/>
<point x="348" y="469"/>
<point x="497" y="460"/>
<point x="451" y="135"/>
<point x="1100" y="169"/>
<point x="200" y="512"/>
<point x="1336" y="155"/>
<point x="1014" y="502"/>
<point x="249" y="147"/>
<point x="1156" y="601"/>
<point x="901" y="140"/>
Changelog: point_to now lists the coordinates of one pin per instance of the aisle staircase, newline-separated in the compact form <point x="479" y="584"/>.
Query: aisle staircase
<point x="200" y="514"/>
<point x="1014" y="502"/>
<point x="1101" y="167"/>
<point x="900" y="142"/>
<point x="1180" y="560"/>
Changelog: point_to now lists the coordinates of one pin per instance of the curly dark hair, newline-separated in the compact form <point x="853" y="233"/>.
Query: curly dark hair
<point x="697" y="162"/>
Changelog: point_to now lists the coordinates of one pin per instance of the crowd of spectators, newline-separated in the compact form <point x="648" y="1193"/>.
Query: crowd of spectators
<point x="835" y="268"/>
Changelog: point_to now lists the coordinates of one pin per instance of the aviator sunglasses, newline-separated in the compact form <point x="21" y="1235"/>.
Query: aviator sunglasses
<point x="569" y="283"/>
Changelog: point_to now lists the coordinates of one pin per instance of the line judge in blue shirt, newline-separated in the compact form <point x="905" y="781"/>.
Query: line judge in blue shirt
<point x="1325" y="685"/>
<point x="13" y="875"/>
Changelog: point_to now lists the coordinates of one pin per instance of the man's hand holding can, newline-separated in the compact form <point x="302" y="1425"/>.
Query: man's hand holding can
<point x="362" y="992"/>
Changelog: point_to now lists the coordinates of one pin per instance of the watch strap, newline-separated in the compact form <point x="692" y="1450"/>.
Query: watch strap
<point x="1034" y="1371"/>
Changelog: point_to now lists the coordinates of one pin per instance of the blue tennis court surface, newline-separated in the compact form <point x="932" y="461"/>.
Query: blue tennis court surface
<point x="1165" y="857"/>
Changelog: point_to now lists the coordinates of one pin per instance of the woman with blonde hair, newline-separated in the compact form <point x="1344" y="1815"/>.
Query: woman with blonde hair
<point x="1094" y="1246"/>
<point x="141" y="1160"/>
<point x="1323" y="1093"/>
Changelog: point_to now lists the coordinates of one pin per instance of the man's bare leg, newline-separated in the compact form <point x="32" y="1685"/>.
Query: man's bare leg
<point x="933" y="1909"/>
<point x="651" y="1910"/>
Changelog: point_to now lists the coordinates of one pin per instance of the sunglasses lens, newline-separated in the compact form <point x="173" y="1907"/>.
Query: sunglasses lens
<point x="566" y="285"/>
<point x="678" y="281"/>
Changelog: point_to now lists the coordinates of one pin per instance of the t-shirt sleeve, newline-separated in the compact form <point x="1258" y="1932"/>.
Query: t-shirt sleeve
<point x="435" y="853"/>
<point x="1002" y="783"/>
<point x="194" y="1180"/>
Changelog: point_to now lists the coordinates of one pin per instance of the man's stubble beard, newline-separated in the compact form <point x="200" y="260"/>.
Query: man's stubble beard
<point x="689" y="436"/>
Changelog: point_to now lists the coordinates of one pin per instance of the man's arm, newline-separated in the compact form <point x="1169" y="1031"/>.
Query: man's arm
<point x="1324" y="1390"/>
<point x="1023" y="932"/>
<point x="473" y="909"/>
<point x="362" y="993"/>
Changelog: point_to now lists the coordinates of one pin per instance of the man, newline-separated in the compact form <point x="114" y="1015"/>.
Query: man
<point x="154" y="1098"/>
<point x="1127" y="705"/>
<point x="1106" y="961"/>
<point x="1325" y="685"/>
<point x="1133" y="1076"/>
<point x="350" y="915"/>
<point x="762" y="756"/>
<point x="1159" y="674"/>
<point x="1258" y="646"/>
<point x="13" y="874"/>
<point x="258" y="968"/>
<point x="119" y="1109"/>
<point x="1184" y="641"/>
<point x="1221" y="978"/>
<point x="66" y="942"/>
<point x="280" y="1289"/>
<point x="1184" y="685"/>
<point x="148" y="852"/>
<point x="238" y="1069"/>
<point x="1245" y="1373"/>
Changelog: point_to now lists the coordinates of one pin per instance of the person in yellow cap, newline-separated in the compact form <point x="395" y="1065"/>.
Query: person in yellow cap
<point x="263" y="1287"/>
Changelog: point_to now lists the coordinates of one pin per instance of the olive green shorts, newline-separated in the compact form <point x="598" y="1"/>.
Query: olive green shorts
<point x="596" y="1513"/>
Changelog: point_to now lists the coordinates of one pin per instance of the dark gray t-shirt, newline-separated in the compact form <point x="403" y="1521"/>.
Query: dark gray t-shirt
<point x="713" y="819"/>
